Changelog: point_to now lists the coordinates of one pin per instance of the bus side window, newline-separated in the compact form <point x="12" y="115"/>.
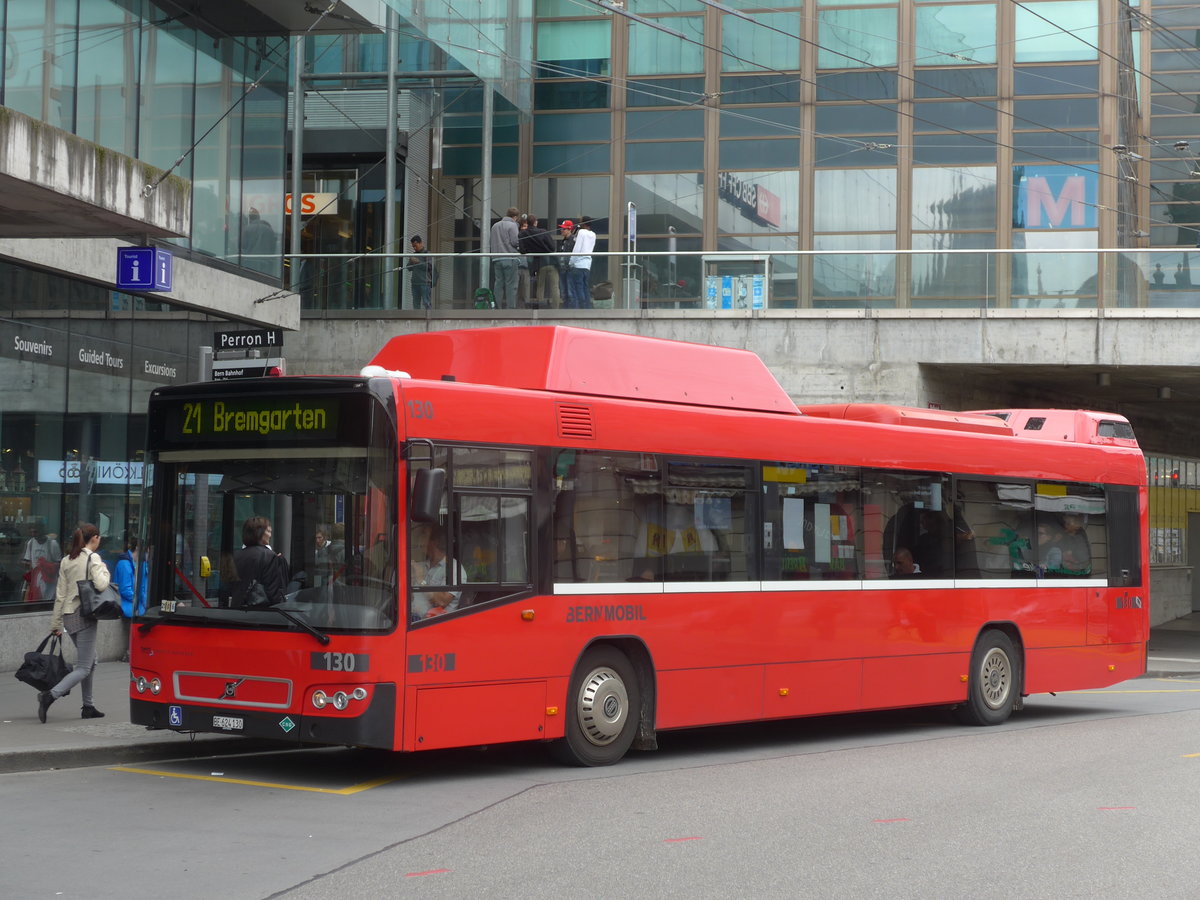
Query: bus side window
<point x="813" y="522"/>
<point x="909" y="511"/>
<point x="1071" y="530"/>
<point x="1001" y="524"/>
<point x="1126" y="561"/>
<point x="608" y="515"/>
<point x="705" y="519"/>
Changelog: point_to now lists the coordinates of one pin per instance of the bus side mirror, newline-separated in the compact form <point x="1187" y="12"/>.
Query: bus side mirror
<point x="426" y="500"/>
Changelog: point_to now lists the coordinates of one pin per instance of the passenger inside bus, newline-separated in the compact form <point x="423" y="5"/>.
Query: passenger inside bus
<point x="933" y="550"/>
<point x="439" y="570"/>
<point x="1049" y="547"/>
<point x="903" y="564"/>
<point x="262" y="573"/>
<point x="1076" y="551"/>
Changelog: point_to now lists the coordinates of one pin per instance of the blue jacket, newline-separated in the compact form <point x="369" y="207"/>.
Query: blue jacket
<point x="123" y="576"/>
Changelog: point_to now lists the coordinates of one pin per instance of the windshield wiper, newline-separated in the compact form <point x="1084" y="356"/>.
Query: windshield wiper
<point x="299" y="620"/>
<point x="148" y="624"/>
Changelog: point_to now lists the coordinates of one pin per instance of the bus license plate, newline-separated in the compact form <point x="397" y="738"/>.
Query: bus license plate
<point x="228" y="723"/>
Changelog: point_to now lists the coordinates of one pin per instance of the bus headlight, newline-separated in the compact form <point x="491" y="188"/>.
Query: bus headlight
<point x="340" y="698"/>
<point x="140" y="684"/>
<point x="156" y="686"/>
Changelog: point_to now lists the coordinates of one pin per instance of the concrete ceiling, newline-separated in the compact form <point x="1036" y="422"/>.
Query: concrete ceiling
<point x="32" y="211"/>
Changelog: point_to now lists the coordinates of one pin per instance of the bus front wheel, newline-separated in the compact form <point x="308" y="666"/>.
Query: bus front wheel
<point x="604" y="704"/>
<point x="994" y="683"/>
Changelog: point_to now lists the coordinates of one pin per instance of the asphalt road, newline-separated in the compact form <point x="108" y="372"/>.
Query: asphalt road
<point x="1080" y="795"/>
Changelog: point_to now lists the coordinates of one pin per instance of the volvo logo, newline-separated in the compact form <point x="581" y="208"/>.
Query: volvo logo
<point x="231" y="688"/>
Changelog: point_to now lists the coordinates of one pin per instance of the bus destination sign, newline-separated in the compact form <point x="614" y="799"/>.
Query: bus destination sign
<point x="213" y="420"/>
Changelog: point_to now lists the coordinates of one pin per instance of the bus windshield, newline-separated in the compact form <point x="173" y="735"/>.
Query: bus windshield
<point x="331" y="547"/>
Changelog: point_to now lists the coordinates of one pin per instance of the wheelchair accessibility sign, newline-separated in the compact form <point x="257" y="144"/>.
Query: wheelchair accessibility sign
<point x="175" y="716"/>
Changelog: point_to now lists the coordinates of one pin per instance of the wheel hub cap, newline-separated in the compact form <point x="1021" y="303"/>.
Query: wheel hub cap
<point x="603" y="706"/>
<point x="996" y="679"/>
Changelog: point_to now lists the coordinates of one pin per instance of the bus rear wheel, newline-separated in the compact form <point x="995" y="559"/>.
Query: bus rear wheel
<point x="994" y="683"/>
<point x="604" y="707"/>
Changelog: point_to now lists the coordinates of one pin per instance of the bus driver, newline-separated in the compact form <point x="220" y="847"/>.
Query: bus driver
<point x="426" y="604"/>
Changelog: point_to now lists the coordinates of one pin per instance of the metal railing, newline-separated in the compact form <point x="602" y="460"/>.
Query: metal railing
<point x="1068" y="278"/>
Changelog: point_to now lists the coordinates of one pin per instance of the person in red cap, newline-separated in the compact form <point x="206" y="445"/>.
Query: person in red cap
<point x="579" y="278"/>
<point x="566" y="243"/>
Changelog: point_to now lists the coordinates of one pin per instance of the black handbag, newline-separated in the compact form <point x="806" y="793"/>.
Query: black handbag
<point x="43" y="668"/>
<point x="94" y="604"/>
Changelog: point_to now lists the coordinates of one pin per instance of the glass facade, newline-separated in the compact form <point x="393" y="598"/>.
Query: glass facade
<point x="78" y="360"/>
<point x="836" y="125"/>
<point x="118" y="76"/>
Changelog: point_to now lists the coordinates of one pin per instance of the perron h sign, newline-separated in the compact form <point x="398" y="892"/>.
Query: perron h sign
<point x="144" y="269"/>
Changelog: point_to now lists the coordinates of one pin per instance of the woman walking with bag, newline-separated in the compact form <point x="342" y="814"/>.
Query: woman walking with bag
<point x="81" y="563"/>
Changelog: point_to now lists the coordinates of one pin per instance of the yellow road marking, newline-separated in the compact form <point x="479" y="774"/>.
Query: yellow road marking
<point x="353" y="789"/>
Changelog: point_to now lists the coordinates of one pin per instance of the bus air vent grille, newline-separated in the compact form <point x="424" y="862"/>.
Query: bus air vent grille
<point x="575" y="422"/>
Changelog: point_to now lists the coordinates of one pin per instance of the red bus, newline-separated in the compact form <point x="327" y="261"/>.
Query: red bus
<point x="579" y="537"/>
